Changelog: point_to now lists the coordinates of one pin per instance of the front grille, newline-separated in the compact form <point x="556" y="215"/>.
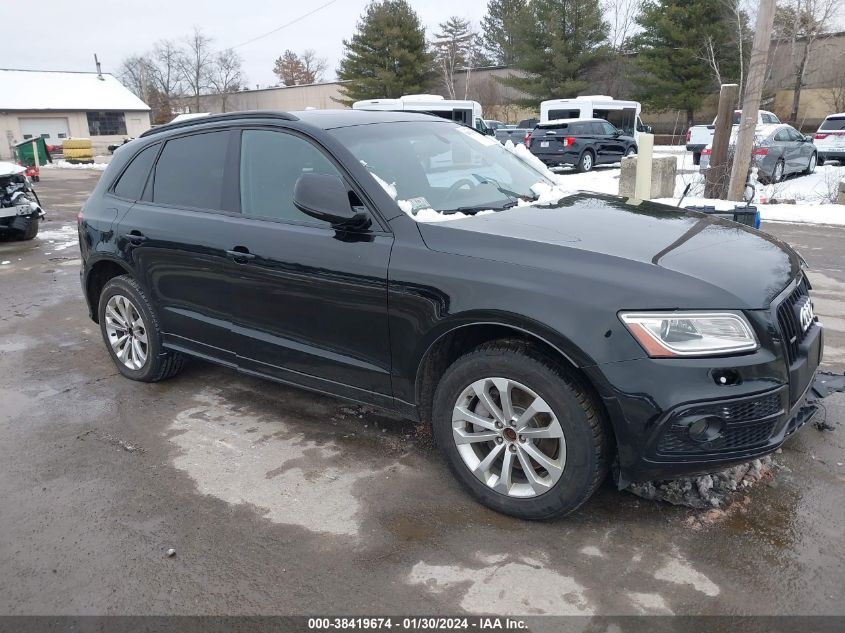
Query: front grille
<point x="747" y="424"/>
<point x="788" y="323"/>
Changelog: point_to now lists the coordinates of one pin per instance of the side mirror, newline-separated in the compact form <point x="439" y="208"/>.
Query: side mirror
<point x="327" y="198"/>
<point x="489" y="131"/>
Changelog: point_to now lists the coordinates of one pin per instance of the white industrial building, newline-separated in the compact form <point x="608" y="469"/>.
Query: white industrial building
<point x="60" y="105"/>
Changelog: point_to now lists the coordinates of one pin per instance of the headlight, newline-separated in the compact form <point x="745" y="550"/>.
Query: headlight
<point x="667" y="334"/>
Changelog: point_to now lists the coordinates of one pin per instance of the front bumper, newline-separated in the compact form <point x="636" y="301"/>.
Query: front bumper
<point x="654" y="404"/>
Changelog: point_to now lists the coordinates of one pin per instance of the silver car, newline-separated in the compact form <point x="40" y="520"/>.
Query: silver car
<point x="779" y="150"/>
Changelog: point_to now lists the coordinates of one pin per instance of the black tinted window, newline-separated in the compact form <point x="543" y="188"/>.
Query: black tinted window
<point x="189" y="172"/>
<point x="833" y="123"/>
<point x="271" y="163"/>
<point x="131" y="183"/>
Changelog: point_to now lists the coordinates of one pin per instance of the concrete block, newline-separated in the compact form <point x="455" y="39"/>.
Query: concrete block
<point x="663" y="172"/>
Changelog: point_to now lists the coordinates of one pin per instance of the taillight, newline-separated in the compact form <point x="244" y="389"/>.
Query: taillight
<point x="689" y="135"/>
<point x="761" y="151"/>
<point x="527" y="139"/>
<point x="706" y="152"/>
<point x="569" y="140"/>
<point x="820" y="136"/>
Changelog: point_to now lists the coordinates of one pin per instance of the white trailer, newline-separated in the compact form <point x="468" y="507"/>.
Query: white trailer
<point x="625" y="115"/>
<point x="461" y="111"/>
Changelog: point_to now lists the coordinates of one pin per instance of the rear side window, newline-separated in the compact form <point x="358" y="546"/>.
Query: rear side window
<point x="131" y="183"/>
<point x="833" y="123"/>
<point x="189" y="172"/>
<point x="271" y="163"/>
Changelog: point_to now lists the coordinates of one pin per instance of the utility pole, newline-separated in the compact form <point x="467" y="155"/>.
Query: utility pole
<point x="716" y="178"/>
<point x="751" y="101"/>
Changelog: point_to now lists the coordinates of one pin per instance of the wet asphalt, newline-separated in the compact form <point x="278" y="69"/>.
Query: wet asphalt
<point x="279" y="501"/>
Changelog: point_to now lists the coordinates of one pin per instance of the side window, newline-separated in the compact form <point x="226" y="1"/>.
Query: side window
<point x="795" y="135"/>
<point x="782" y="135"/>
<point x="131" y="183"/>
<point x="774" y="118"/>
<point x="608" y="129"/>
<point x="271" y="163"/>
<point x="189" y="172"/>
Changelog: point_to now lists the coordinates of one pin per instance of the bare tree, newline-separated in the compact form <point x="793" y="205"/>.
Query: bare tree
<point x="226" y="75"/>
<point x="620" y="17"/>
<point x="134" y="73"/>
<point x="195" y="65"/>
<point x="453" y="47"/>
<point x="313" y="67"/>
<point x="803" y="23"/>
<point x="837" y="91"/>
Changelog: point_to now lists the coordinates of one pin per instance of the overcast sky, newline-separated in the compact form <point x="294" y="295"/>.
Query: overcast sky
<point x="69" y="33"/>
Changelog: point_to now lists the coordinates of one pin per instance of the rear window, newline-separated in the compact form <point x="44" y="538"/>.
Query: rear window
<point x="833" y="123"/>
<point x="189" y="172"/>
<point x="564" y="114"/>
<point x="131" y="183"/>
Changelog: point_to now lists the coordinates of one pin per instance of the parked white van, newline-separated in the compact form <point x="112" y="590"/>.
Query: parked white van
<point x="624" y="115"/>
<point x="462" y="111"/>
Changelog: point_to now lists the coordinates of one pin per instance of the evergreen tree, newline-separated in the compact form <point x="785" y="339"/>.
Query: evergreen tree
<point x="387" y="56"/>
<point x="499" y="29"/>
<point x="684" y="46"/>
<point x="557" y="43"/>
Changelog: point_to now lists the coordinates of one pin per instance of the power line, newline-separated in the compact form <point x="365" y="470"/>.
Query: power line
<point x="284" y="26"/>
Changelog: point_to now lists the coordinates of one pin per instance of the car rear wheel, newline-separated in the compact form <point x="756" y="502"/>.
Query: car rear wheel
<point x="811" y="166"/>
<point x="131" y="333"/>
<point x="820" y="161"/>
<point x="586" y="162"/>
<point x="777" y="172"/>
<point x="696" y="158"/>
<point x="518" y="432"/>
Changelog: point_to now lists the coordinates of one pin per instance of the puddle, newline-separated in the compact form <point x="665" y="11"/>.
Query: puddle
<point x="240" y="457"/>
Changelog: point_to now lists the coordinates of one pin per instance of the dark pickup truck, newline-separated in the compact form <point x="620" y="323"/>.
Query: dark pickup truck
<point x="516" y="134"/>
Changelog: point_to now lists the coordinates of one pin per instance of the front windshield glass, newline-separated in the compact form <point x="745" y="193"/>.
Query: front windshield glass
<point x="445" y="167"/>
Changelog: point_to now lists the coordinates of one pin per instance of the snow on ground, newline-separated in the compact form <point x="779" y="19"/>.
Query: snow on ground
<point x="814" y="194"/>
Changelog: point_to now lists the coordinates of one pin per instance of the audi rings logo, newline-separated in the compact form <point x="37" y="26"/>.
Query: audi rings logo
<point x="806" y="315"/>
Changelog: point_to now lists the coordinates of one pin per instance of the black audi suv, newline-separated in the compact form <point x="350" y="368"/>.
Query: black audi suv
<point x="411" y="263"/>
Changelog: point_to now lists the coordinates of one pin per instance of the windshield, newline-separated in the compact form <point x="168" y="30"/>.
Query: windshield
<point x="444" y="167"/>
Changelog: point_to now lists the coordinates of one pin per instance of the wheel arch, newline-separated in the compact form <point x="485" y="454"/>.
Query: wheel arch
<point x="99" y="274"/>
<point x="457" y="337"/>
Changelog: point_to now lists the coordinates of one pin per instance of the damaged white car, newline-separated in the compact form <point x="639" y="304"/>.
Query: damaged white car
<point x="20" y="208"/>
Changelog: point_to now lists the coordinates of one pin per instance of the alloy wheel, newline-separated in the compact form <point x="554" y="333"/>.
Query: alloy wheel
<point x="778" y="172"/>
<point x="126" y="332"/>
<point x="509" y="437"/>
<point x="587" y="161"/>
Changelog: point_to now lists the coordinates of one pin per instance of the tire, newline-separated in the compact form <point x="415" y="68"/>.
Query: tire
<point x="696" y="158"/>
<point x="76" y="143"/>
<point x="157" y="363"/>
<point x="582" y="455"/>
<point x="775" y="176"/>
<point x="31" y="230"/>
<point x="631" y="151"/>
<point x="811" y="165"/>
<point x="820" y="161"/>
<point x="586" y="162"/>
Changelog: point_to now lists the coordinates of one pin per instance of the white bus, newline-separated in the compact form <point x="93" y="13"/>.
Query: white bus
<point x="461" y="111"/>
<point x="624" y="115"/>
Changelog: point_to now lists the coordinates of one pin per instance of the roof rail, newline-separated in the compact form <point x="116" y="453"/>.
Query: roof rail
<point x="211" y="118"/>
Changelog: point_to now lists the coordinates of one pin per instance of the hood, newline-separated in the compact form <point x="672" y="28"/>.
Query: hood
<point x="652" y="255"/>
<point x="10" y="169"/>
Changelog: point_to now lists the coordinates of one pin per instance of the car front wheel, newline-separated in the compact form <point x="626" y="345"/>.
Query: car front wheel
<point x="131" y="333"/>
<point x="811" y="166"/>
<point x="518" y="432"/>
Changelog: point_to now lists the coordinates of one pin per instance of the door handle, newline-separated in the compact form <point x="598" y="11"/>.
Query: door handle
<point x="240" y="255"/>
<point x="135" y="237"/>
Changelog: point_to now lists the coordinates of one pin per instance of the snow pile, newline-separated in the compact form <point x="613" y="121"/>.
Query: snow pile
<point x="62" y="238"/>
<point x="389" y="187"/>
<point x="63" y="164"/>
<point x="708" y="491"/>
<point x="525" y="155"/>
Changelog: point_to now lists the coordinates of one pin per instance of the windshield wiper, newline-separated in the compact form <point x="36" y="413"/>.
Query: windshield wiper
<point x="511" y="194"/>
<point x="481" y="207"/>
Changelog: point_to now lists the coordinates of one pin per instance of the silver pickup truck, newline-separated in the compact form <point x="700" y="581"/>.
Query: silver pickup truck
<point x="700" y="136"/>
<point x="516" y="134"/>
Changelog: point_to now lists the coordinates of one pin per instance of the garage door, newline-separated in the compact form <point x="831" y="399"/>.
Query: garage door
<point x="52" y="129"/>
